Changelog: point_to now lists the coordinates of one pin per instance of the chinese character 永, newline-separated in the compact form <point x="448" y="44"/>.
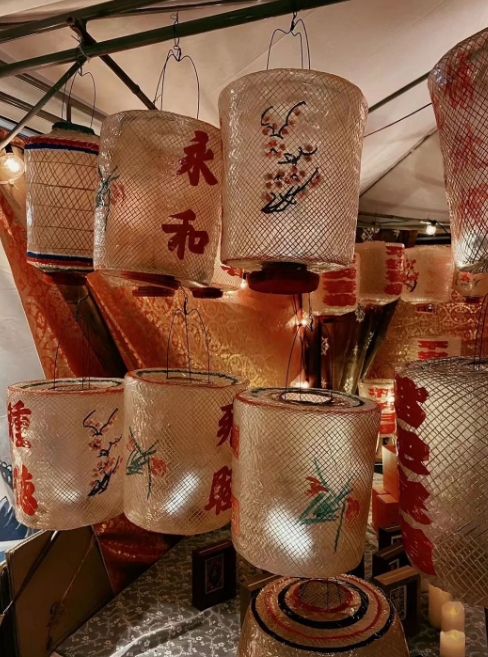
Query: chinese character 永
<point x="194" y="162"/>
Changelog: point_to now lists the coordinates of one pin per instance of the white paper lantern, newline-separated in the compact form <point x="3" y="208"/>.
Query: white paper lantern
<point x="428" y="275"/>
<point x="61" y="180"/>
<point x="337" y="293"/>
<point x="380" y="272"/>
<point x="428" y="347"/>
<point x="472" y="286"/>
<point x="292" y="142"/>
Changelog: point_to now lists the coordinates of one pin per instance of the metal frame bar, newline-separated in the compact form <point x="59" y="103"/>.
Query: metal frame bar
<point x="23" y="105"/>
<point x="189" y="28"/>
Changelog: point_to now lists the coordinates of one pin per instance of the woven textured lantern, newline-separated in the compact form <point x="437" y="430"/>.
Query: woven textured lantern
<point x="61" y="180"/>
<point x="178" y="428"/>
<point x="380" y="273"/>
<point x="296" y="618"/>
<point x="428" y="275"/>
<point x="472" y="286"/>
<point x="67" y="457"/>
<point x="429" y="348"/>
<point x="303" y="467"/>
<point x="382" y="391"/>
<point x="459" y="92"/>
<point x="337" y="293"/>
<point x="292" y="143"/>
<point x="224" y="279"/>
<point x="158" y="216"/>
<point x="442" y="452"/>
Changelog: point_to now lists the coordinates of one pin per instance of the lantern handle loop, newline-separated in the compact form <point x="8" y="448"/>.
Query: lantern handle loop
<point x="83" y="57"/>
<point x="301" y="33"/>
<point x="176" y="54"/>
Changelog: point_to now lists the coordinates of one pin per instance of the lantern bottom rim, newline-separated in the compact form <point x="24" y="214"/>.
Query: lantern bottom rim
<point x="283" y="278"/>
<point x="158" y="280"/>
<point x="206" y="292"/>
<point x="151" y="291"/>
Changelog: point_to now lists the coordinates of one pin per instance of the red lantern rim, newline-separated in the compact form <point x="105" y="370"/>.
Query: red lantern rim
<point x="283" y="278"/>
<point x="148" y="291"/>
<point x="158" y="280"/>
<point x="206" y="292"/>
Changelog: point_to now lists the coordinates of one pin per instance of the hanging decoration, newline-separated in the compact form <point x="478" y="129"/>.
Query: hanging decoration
<point x="382" y="391"/>
<point x="337" y="293"/>
<point x="442" y="451"/>
<point x="303" y="468"/>
<point x="292" y="142"/>
<point x="11" y="166"/>
<point x="158" y="210"/>
<point x="472" y="286"/>
<point x="428" y="275"/>
<point x="457" y="86"/>
<point x="66" y="445"/>
<point x="61" y="181"/>
<point x="346" y="616"/>
<point x="381" y="272"/>
<point x="178" y="426"/>
<point x="428" y="347"/>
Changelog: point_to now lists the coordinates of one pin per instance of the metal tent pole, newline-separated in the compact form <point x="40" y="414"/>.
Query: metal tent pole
<point x="23" y="105"/>
<point x="33" y="112"/>
<point x="198" y="26"/>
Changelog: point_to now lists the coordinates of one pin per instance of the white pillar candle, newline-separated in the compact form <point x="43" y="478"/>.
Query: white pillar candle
<point x="453" y="644"/>
<point x="452" y="617"/>
<point x="437" y="597"/>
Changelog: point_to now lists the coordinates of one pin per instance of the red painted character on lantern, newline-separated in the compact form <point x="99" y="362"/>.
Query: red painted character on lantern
<point x="18" y="417"/>
<point x="194" y="162"/>
<point x="197" y="239"/>
<point x="225" y="424"/>
<point x="220" y="497"/>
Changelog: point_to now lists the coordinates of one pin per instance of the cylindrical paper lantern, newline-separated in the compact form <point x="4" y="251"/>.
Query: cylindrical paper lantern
<point x="382" y="391"/>
<point x="471" y="286"/>
<point x="337" y="293"/>
<point x="61" y="181"/>
<point x="300" y="618"/>
<point x="380" y="272"/>
<point x="429" y="348"/>
<point x="303" y="467"/>
<point x="459" y="92"/>
<point x="428" y="275"/>
<point x="443" y="451"/>
<point x="158" y="215"/>
<point x="179" y="464"/>
<point x="292" y="142"/>
<point x="224" y="279"/>
<point x="67" y="456"/>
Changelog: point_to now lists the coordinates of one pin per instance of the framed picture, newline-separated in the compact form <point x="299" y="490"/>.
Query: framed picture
<point x="213" y="574"/>
<point x="402" y="588"/>
<point x="389" y="558"/>
<point x="389" y="535"/>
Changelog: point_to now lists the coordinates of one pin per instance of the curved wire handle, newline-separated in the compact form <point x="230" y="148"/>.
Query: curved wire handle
<point x="480" y="329"/>
<point x="75" y="77"/>
<point x="185" y="313"/>
<point x="304" y="47"/>
<point x="176" y="54"/>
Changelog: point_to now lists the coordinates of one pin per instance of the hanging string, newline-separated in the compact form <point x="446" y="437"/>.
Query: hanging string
<point x="74" y="78"/>
<point x="176" y="54"/>
<point x="304" y="47"/>
<point x="187" y="314"/>
<point x="58" y="346"/>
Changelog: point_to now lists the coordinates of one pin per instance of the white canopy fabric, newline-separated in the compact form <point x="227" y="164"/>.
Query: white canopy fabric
<point x="380" y="45"/>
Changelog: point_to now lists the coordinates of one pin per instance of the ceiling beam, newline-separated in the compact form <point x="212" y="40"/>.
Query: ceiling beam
<point x="199" y="26"/>
<point x="26" y="107"/>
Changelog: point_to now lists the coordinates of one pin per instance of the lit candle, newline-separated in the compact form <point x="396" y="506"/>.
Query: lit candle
<point x="452" y="617"/>
<point x="437" y="597"/>
<point x="453" y="644"/>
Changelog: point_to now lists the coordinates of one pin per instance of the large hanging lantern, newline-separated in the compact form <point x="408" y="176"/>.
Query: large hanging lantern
<point x="300" y="618"/>
<point x="303" y="467"/>
<point x="429" y="347"/>
<point x="428" y="275"/>
<point x="337" y="293"/>
<point x="292" y="143"/>
<point x="158" y="214"/>
<point x="472" y="286"/>
<point x="459" y="92"/>
<point x="178" y="427"/>
<point x="61" y="180"/>
<point x="67" y="456"/>
<point x="380" y="273"/>
<point x="443" y="451"/>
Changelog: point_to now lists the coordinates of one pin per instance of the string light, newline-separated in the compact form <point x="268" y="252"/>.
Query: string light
<point x="11" y="167"/>
<point x="431" y="228"/>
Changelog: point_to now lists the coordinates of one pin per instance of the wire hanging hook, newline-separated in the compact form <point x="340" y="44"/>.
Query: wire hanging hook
<point x="304" y="42"/>
<point x="85" y="57"/>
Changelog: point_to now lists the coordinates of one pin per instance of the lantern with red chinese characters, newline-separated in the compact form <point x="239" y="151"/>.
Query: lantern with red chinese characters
<point x="428" y="275"/>
<point x="292" y="142"/>
<point x="158" y="213"/>
<point x="380" y="272"/>
<point x="301" y="618"/>
<point x="61" y="180"/>
<point x="178" y="427"/>
<point x="472" y="286"/>
<point x="382" y="391"/>
<point x="442" y="453"/>
<point x="429" y="347"/>
<point x="337" y="293"/>
<point x="459" y="93"/>
<point x="67" y="457"/>
<point x="302" y="473"/>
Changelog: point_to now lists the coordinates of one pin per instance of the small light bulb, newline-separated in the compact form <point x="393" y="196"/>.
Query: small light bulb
<point x="431" y="229"/>
<point x="11" y="167"/>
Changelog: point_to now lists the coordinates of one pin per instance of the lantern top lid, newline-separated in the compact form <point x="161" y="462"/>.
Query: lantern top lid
<point x="310" y="400"/>
<point x="190" y="379"/>
<point x="304" y="76"/>
<point x="156" y="117"/>
<point x="73" y="127"/>
<point x="458" y="368"/>
<point x="85" y="386"/>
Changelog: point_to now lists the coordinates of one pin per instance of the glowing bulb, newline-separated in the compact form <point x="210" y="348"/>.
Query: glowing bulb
<point x="431" y="229"/>
<point x="11" y="168"/>
<point x="243" y="284"/>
